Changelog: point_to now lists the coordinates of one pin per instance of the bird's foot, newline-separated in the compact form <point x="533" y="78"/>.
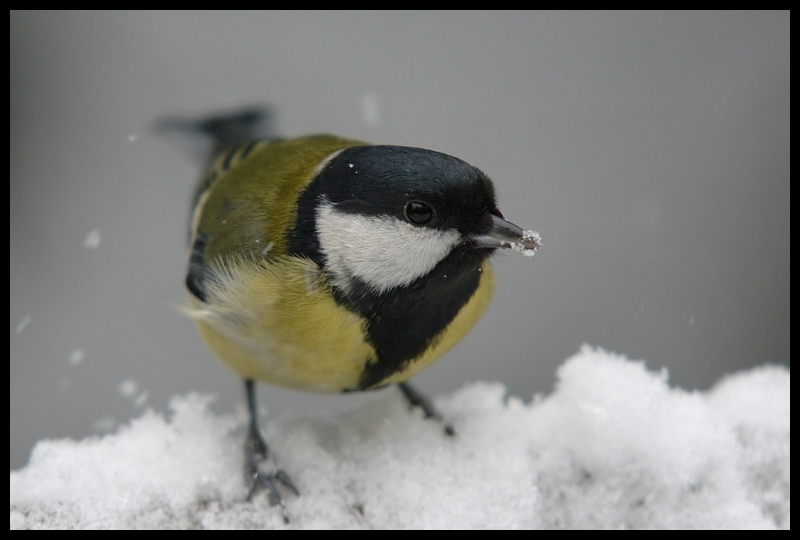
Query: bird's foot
<point x="416" y="399"/>
<point x="261" y="474"/>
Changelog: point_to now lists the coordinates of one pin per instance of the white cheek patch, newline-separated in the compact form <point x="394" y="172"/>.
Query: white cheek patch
<point x="382" y="251"/>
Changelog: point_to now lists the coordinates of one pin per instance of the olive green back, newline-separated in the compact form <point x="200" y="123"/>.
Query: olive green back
<point x="248" y="199"/>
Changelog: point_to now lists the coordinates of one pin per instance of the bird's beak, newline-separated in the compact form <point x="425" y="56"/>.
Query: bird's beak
<point x="505" y="234"/>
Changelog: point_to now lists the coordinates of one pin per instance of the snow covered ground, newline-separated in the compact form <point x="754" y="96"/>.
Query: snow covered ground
<point x="613" y="446"/>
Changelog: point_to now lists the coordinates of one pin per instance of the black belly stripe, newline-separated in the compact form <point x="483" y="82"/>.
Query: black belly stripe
<point x="403" y="324"/>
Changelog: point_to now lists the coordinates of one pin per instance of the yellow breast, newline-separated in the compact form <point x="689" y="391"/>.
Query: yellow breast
<point x="277" y="322"/>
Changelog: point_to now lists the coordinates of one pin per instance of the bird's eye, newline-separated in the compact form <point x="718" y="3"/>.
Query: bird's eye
<point x="418" y="212"/>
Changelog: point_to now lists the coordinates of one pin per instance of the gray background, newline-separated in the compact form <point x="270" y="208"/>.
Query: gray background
<point x="651" y="150"/>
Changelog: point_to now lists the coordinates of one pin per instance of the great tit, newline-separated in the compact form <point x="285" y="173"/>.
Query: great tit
<point x="332" y="265"/>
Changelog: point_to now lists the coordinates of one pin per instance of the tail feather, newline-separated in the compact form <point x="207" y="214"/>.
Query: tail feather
<point x="206" y="137"/>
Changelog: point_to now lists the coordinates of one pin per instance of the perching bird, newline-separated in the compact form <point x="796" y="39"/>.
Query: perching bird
<point x="332" y="265"/>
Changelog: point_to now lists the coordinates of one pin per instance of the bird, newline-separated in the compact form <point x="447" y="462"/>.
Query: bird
<point x="327" y="264"/>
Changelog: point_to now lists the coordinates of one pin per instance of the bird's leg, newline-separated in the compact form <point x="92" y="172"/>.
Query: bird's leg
<point x="256" y="454"/>
<point x="416" y="399"/>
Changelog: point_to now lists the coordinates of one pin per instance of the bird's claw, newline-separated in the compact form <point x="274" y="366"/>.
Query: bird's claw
<point x="266" y="478"/>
